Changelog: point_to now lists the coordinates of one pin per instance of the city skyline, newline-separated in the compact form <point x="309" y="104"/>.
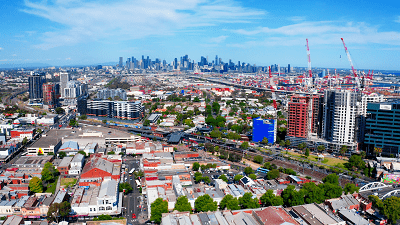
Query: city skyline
<point x="74" y="32"/>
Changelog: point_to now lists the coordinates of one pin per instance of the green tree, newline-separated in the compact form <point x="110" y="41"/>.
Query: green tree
<point x="273" y="174"/>
<point x="216" y="133"/>
<point x="391" y="209"/>
<point x="158" y="207"/>
<point x="331" y="178"/>
<point x="53" y="213"/>
<point x="237" y="177"/>
<point x="287" y="143"/>
<point x="65" y="209"/>
<point x="258" y="159"/>
<point x="61" y="154"/>
<point x="269" y="199"/>
<point x="223" y="177"/>
<point x="291" y="197"/>
<point x="307" y="152"/>
<point x="49" y="172"/>
<point x="282" y="143"/>
<point x="350" y="188"/>
<point x="146" y="123"/>
<point x="343" y="150"/>
<point x="196" y="99"/>
<point x="244" y="145"/>
<point x="252" y="176"/>
<point x="195" y="166"/>
<point x="376" y="201"/>
<point x="25" y="141"/>
<point x="182" y="204"/>
<point x="229" y="202"/>
<point x="363" y="154"/>
<point x="83" y="117"/>
<point x="35" y="185"/>
<point x="125" y="186"/>
<point x="302" y="146"/>
<point x="355" y="163"/>
<point x="73" y="123"/>
<point x="331" y="190"/>
<point x="264" y="141"/>
<point x="59" y="110"/>
<point x="216" y="107"/>
<point x="205" y="203"/>
<point x="313" y="193"/>
<point x="248" y="202"/>
<point x="104" y="121"/>
<point x="248" y="170"/>
<point x="321" y="148"/>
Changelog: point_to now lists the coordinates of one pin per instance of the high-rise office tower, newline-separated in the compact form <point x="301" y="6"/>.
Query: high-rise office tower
<point x="303" y="115"/>
<point x="49" y="95"/>
<point x="339" y="118"/>
<point x="121" y="62"/>
<point x="216" y="60"/>
<point x="64" y="78"/>
<point x="36" y="88"/>
<point x="289" y="68"/>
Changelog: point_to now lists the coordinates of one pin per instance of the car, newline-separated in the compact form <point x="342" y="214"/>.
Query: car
<point x="133" y="216"/>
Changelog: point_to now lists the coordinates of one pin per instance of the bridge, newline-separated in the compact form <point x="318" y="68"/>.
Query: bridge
<point x="373" y="186"/>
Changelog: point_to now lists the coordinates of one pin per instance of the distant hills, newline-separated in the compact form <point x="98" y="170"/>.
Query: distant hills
<point x="44" y="65"/>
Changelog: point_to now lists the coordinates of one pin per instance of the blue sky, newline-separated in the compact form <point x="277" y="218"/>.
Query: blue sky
<point x="68" y="32"/>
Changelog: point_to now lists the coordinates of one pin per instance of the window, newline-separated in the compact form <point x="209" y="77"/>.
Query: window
<point x="101" y="208"/>
<point x="109" y="208"/>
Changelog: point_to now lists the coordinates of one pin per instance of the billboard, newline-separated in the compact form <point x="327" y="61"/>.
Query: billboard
<point x="391" y="178"/>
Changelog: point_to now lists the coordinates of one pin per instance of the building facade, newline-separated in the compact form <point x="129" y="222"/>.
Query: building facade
<point x="36" y="88"/>
<point x="264" y="128"/>
<point x="116" y="109"/>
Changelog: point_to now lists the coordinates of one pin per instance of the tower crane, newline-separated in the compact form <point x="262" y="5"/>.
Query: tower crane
<point x="309" y="66"/>
<point x="357" y="80"/>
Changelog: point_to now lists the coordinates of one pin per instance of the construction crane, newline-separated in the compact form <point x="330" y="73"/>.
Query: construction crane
<point x="357" y="80"/>
<point x="272" y="87"/>
<point x="309" y="65"/>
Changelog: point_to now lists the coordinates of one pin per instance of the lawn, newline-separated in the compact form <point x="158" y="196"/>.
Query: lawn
<point x="68" y="182"/>
<point x="328" y="160"/>
<point x="51" y="188"/>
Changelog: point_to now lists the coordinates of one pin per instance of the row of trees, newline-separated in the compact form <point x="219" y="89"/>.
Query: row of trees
<point x="49" y="175"/>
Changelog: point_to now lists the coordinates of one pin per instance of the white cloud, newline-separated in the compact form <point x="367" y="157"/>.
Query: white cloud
<point x="127" y="19"/>
<point x="1" y="48"/>
<point x="218" y="39"/>
<point x="324" y="32"/>
<point x="397" y="20"/>
<point x="297" y="18"/>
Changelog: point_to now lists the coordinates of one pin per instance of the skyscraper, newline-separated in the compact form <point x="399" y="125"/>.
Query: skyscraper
<point x="64" y="78"/>
<point x="121" y="62"/>
<point x="36" y="88"/>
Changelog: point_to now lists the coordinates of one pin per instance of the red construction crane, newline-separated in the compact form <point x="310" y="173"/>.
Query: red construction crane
<point x="351" y="64"/>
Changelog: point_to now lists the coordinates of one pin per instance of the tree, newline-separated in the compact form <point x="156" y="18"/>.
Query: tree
<point x="158" y="207"/>
<point x="195" y="166"/>
<point x="53" y="213"/>
<point x="244" y="145"/>
<point x="229" y="202"/>
<point x="287" y="143"/>
<point x="73" y="123"/>
<point x="248" y="170"/>
<point x="331" y="190"/>
<point x="65" y="209"/>
<point x="49" y="172"/>
<point x="238" y="177"/>
<point x="302" y="146"/>
<point x="223" y="177"/>
<point x="331" y="178"/>
<point x="253" y="176"/>
<point x="125" y="186"/>
<point x="25" y="141"/>
<point x="59" y="110"/>
<point x="264" y="141"/>
<point x="321" y="148"/>
<point x="258" y="159"/>
<point x="363" y="154"/>
<point x="62" y="154"/>
<point x="182" y="204"/>
<point x="307" y="152"/>
<point x="248" y="202"/>
<point x="196" y="99"/>
<point x="291" y="197"/>
<point x="35" y="185"/>
<point x="102" y="217"/>
<point x="146" y="123"/>
<point x="282" y="143"/>
<point x="350" y="188"/>
<point x="343" y="150"/>
<point x="269" y="199"/>
<point x="313" y="193"/>
<point x="83" y="117"/>
<point x="205" y="203"/>
<point x="391" y="209"/>
<point x="273" y="174"/>
<point x="355" y="163"/>
<point x="104" y="121"/>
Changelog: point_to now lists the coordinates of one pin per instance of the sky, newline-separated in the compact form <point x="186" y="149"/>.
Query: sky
<point x="88" y="32"/>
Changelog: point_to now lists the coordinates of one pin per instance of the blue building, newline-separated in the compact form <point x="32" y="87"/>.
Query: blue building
<point x="264" y="128"/>
<point x="382" y="128"/>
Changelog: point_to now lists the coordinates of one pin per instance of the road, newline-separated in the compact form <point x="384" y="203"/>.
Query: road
<point x="134" y="201"/>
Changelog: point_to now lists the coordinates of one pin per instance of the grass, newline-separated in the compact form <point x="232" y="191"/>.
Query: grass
<point x="51" y="188"/>
<point x="68" y="182"/>
<point x="328" y="161"/>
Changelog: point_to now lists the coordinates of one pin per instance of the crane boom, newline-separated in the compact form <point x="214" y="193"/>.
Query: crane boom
<point x="351" y="64"/>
